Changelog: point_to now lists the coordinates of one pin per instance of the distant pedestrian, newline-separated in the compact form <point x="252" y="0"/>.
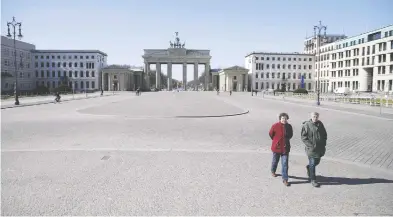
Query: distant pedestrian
<point x="230" y="93"/>
<point x="314" y="137"/>
<point x="218" y="92"/>
<point x="281" y="133"/>
<point x="102" y="92"/>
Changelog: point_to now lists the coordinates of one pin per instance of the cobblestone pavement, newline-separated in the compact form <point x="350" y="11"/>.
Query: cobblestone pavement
<point x="354" y="135"/>
<point x="71" y="162"/>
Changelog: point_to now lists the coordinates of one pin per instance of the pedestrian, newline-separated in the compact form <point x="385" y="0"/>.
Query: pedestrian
<point x="314" y="137"/>
<point x="230" y="93"/>
<point x="281" y="133"/>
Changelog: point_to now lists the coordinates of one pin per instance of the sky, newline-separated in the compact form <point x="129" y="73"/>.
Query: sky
<point x="229" y="29"/>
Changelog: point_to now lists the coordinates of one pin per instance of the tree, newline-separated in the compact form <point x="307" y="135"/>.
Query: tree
<point x="63" y="89"/>
<point x="301" y="91"/>
<point x="41" y="89"/>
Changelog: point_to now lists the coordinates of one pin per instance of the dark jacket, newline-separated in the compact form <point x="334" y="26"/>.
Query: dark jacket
<point x="281" y="134"/>
<point x="314" y="137"/>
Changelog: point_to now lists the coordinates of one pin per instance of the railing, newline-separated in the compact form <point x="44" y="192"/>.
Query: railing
<point x="378" y="99"/>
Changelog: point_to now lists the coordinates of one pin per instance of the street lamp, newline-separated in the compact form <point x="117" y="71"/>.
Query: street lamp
<point x="318" y="36"/>
<point x="252" y="74"/>
<point x="15" y="25"/>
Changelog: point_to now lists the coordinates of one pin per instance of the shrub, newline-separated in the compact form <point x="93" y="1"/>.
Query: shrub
<point x="301" y="90"/>
<point x="63" y="89"/>
<point x="41" y="90"/>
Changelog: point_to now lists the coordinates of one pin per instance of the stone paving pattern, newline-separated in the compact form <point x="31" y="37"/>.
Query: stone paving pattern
<point x="72" y="160"/>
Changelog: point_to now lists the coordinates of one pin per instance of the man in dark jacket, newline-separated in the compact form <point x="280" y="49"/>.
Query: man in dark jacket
<point x="314" y="137"/>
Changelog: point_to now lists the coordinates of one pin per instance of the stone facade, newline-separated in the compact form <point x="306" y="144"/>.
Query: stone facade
<point x="121" y="78"/>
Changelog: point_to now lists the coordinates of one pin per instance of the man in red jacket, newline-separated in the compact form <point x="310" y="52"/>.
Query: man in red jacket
<point x="281" y="132"/>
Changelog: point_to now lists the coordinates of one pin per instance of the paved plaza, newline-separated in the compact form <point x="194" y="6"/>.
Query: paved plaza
<point x="170" y="153"/>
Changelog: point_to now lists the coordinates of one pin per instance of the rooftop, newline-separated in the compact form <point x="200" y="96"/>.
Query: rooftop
<point x="364" y="33"/>
<point x="70" y="51"/>
<point x="279" y="53"/>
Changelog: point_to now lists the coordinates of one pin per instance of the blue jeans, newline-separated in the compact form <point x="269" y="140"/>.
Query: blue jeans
<point x="284" y="164"/>
<point x="312" y="163"/>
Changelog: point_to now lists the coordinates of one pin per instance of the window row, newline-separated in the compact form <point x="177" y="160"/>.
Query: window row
<point x="383" y="70"/>
<point x="20" y="64"/>
<point x="71" y="74"/>
<point x="65" y="57"/>
<point x="274" y="86"/>
<point x="283" y="75"/>
<point x="369" y="50"/>
<point x="64" y="64"/>
<point x="365" y="61"/>
<point x="345" y="73"/>
<point x="354" y="85"/>
<point x="261" y="66"/>
<point x="20" y="54"/>
<point x="384" y="85"/>
<point x="283" y="59"/>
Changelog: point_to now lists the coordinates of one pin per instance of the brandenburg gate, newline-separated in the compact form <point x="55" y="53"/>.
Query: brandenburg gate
<point x="176" y="54"/>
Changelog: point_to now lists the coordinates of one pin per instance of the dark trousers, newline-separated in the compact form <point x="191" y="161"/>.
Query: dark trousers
<point x="284" y="164"/>
<point x="312" y="164"/>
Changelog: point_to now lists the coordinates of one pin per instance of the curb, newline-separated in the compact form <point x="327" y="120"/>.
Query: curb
<point x="169" y="117"/>
<point x="215" y="116"/>
<point x="49" y="102"/>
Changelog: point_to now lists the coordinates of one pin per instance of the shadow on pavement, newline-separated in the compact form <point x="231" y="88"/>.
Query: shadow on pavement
<point x="324" y="180"/>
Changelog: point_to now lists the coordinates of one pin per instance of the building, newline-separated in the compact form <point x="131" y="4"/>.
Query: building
<point x="122" y="78"/>
<point x="310" y="46"/>
<point x="360" y="63"/>
<point x="26" y="79"/>
<point x="80" y="69"/>
<point x="230" y="79"/>
<point x="280" y="70"/>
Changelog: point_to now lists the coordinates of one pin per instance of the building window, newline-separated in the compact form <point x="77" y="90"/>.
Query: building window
<point x="81" y="74"/>
<point x="87" y="74"/>
<point x="93" y="85"/>
<point x="93" y="74"/>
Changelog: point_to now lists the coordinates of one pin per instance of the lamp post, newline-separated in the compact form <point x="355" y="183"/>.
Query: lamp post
<point x="318" y="36"/>
<point x="15" y="25"/>
<point x="252" y="74"/>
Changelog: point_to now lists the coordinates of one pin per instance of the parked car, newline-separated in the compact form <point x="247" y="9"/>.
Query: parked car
<point x="342" y="91"/>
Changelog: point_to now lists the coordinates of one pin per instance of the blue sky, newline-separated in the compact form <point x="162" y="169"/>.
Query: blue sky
<point x="230" y="29"/>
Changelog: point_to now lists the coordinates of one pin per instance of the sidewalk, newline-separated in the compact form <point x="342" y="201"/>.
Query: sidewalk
<point x="356" y="108"/>
<point x="29" y="101"/>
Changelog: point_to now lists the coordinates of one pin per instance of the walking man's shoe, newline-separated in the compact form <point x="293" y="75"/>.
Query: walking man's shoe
<point x="315" y="184"/>
<point x="274" y="174"/>
<point x="286" y="183"/>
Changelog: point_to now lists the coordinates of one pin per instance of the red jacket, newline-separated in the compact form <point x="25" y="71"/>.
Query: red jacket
<point x="281" y="134"/>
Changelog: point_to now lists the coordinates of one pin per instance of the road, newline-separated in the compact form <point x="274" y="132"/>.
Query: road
<point x="158" y="154"/>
